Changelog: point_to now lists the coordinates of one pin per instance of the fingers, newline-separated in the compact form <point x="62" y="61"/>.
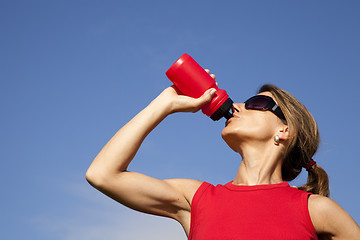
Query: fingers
<point x="211" y="75"/>
<point x="210" y="92"/>
<point x="207" y="96"/>
<point x="182" y="103"/>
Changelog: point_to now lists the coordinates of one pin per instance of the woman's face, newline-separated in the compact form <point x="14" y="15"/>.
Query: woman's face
<point x="251" y="126"/>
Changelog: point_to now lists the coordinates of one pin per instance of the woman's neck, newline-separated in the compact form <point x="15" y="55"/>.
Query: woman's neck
<point x="259" y="167"/>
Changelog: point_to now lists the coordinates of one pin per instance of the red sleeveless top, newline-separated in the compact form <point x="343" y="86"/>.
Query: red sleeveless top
<point x="231" y="212"/>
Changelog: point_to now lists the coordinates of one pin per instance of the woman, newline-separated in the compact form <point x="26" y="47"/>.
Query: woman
<point x="274" y="134"/>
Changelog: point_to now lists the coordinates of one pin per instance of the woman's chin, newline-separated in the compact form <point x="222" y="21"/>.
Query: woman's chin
<point x="229" y="131"/>
<point x="230" y="138"/>
<point x="225" y="133"/>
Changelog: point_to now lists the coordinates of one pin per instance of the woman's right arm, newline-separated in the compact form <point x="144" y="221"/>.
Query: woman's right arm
<point x="108" y="172"/>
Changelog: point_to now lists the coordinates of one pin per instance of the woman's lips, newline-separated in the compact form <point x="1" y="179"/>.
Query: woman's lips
<point x="227" y="122"/>
<point x="230" y="119"/>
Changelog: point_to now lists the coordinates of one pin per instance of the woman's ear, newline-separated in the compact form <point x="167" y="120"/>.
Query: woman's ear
<point x="284" y="133"/>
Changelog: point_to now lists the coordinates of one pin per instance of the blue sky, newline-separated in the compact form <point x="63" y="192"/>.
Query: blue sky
<point x="73" y="72"/>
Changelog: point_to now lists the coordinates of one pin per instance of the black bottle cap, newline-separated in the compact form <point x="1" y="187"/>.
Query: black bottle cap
<point x="223" y="111"/>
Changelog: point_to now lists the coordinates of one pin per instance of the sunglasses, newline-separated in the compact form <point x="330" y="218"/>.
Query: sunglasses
<point x="262" y="102"/>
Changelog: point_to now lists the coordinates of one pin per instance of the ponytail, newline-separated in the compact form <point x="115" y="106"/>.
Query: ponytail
<point x="317" y="182"/>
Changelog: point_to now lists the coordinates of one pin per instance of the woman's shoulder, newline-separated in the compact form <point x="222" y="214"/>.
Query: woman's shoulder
<point x="329" y="217"/>
<point x="321" y="206"/>
<point x="321" y="203"/>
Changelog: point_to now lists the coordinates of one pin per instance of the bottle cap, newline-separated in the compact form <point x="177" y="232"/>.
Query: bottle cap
<point x="223" y="111"/>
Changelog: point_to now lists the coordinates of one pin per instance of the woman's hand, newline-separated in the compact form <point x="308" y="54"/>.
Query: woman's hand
<point x="181" y="103"/>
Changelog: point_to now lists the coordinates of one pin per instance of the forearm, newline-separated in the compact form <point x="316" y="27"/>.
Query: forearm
<point x="117" y="154"/>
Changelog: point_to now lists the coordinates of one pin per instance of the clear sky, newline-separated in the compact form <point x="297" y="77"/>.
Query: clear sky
<point x="73" y="72"/>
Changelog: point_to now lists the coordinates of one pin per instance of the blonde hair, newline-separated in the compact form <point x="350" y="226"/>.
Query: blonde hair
<point x="303" y="144"/>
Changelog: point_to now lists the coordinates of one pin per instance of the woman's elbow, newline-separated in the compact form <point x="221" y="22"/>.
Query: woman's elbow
<point x="94" y="177"/>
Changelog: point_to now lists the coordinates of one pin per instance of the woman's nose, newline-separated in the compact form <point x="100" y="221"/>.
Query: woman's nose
<point x="238" y="107"/>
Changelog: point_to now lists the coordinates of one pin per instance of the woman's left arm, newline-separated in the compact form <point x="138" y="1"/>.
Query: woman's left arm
<point x="331" y="220"/>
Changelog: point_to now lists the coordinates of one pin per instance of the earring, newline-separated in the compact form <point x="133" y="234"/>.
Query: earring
<point x="277" y="140"/>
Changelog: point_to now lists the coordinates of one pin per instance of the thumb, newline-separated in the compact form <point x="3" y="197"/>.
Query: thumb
<point x="207" y="96"/>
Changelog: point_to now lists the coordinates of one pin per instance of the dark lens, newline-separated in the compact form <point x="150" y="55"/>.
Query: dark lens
<point x="257" y="102"/>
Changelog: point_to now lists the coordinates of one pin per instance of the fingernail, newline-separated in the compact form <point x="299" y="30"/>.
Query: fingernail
<point x="212" y="92"/>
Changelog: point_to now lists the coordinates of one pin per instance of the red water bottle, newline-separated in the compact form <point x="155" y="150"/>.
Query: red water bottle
<point x="192" y="80"/>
